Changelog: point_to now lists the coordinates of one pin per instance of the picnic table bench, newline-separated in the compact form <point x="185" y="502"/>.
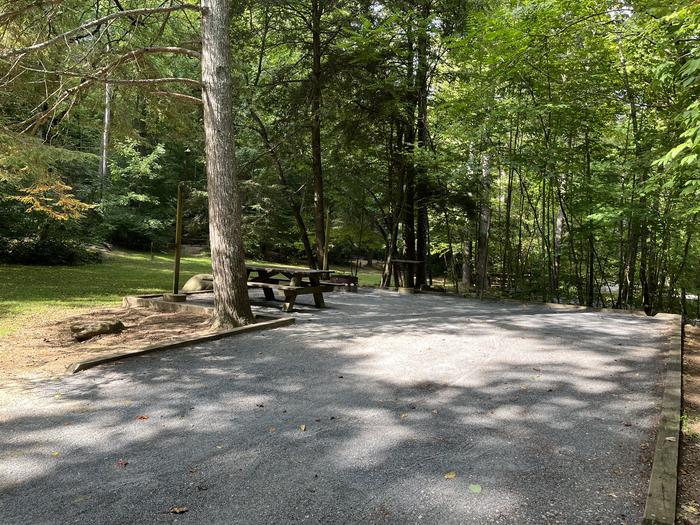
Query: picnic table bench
<point x="289" y="281"/>
<point x="348" y="282"/>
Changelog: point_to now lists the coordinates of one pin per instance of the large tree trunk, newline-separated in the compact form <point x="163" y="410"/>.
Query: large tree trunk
<point x="484" y="224"/>
<point x="319" y="211"/>
<point x="231" y="305"/>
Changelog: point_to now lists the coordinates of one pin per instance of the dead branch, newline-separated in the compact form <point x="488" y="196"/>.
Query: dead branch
<point x="181" y="96"/>
<point x="96" y="22"/>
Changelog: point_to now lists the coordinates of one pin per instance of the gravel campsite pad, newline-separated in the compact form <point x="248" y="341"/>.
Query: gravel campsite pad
<point x="381" y="408"/>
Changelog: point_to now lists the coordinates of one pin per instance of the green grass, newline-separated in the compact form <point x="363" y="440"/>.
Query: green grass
<point x="28" y="292"/>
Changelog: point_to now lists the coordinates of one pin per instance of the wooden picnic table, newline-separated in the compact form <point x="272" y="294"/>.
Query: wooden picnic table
<point x="290" y="281"/>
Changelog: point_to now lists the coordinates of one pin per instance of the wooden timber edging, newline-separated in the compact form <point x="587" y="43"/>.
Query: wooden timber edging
<point x="264" y="323"/>
<point x="660" y="508"/>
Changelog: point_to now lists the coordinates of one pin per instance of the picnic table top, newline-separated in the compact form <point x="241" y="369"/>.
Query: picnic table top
<point x="406" y="261"/>
<point x="286" y="269"/>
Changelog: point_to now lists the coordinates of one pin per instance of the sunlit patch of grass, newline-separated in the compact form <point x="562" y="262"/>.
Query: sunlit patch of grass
<point x="28" y="293"/>
<point x="30" y="290"/>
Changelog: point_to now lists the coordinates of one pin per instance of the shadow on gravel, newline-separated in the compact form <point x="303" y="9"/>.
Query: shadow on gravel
<point x="354" y="415"/>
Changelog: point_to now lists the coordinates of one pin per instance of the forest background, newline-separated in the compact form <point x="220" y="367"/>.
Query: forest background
<point x="545" y="150"/>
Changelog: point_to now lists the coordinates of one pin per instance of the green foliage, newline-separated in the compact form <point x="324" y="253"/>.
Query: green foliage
<point x="587" y="110"/>
<point x="45" y="222"/>
<point x="137" y="207"/>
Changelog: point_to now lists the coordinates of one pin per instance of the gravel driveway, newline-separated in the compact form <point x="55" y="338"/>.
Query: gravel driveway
<point x="379" y="409"/>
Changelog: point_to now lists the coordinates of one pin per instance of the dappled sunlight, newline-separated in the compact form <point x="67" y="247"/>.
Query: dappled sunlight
<point x="356" y="410"/>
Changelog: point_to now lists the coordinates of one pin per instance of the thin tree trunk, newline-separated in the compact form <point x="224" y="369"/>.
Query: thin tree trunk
<point x="319" y="204"/>
<point x="507" y="267"/>
<point x="635" y="226"/>
<point x="467" y="258"/>
<point x="484" y="224"/>
<point x="422" y="49"/>
<point x="289" y="193"/>
<point x="231" y="304"/>
<point x="589" y="184"/>
<point x="104" y="145"/>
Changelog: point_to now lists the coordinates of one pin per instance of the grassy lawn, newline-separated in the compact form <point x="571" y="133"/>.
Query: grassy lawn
<point x="28" y="293"/>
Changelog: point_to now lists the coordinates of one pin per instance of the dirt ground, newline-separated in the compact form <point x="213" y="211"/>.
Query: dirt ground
<point x="45" y="349"/>
<point x="689" y="464"/>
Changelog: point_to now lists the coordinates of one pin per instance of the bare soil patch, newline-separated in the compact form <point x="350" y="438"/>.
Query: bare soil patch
<point x="688" y="512"/>
<point x="47" y="348"/>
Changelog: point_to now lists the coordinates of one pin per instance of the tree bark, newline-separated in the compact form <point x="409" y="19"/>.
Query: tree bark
<point x="231" y="304"/>
<point x="467" y="258"/>
<point x="484" y="224"/>
<point x="422" y="48"/>
<point x="319" y="205"/>
<point x="104" y="144"/>
<point x="626" y="293"/>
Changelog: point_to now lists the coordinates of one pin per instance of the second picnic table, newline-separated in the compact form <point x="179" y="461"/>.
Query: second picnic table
<point x="290" y="281"/>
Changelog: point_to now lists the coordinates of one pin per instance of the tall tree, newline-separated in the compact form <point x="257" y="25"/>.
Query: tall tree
<point x="231" y="304"/>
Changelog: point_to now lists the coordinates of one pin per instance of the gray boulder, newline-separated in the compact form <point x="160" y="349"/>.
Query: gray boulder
<point x="198" y="283"/>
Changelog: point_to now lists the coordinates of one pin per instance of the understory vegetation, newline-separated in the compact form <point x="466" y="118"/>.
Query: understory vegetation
<point x="536" y="150"/>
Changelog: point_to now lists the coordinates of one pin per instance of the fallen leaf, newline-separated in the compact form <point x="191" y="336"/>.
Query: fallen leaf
<point x="404" y="415"/>
<point x="142" y="418"/>
<point x="55" y="453"/>
<point x="475" y="488"/>
<point x="178" y="510"/>
<point x="612" y="495"/>
<point x="644" y="446"/>
<point x="122" y="463"/>
<point x="670" y="438"/>
<point x="272" y="430"/>
<point x="451" y="475"/>
<point x="690" y="508"/>
<point x="302" y="428"/>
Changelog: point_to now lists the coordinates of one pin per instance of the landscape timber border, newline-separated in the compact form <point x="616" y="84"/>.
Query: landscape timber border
<point x="263" y="322"/>
<point x="660" y="506"/>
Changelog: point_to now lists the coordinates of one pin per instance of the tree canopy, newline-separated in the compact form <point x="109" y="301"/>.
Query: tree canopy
<point x="540" y="150"/>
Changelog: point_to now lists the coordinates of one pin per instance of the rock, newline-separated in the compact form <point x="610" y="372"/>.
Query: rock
<point x="89" y="329"/>
<point x="199" y="282"/>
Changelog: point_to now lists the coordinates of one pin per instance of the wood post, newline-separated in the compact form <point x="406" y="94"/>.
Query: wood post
<point x="178" y="235"/>
<point x="326" y="239"/>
